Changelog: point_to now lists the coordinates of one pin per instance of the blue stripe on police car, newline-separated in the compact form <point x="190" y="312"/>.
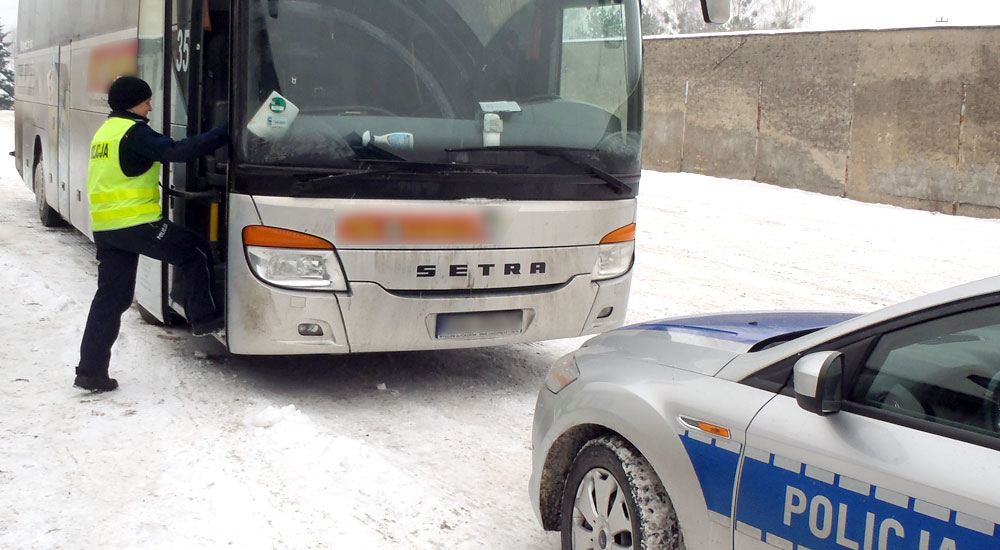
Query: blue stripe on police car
<point x="715" y="462"/>
<point x="784" y="501"/>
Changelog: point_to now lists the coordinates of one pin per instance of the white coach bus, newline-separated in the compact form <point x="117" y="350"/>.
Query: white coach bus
<point x="403" y="174"/>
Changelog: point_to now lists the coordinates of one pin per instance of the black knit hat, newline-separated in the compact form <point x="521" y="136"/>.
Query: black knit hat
<point x="127" y="92"/>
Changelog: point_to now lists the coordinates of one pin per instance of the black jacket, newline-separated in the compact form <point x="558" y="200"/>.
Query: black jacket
<point x="141" y="145"/>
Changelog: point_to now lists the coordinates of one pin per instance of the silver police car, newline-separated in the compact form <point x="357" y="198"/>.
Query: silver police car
<point x="799" y="431"/>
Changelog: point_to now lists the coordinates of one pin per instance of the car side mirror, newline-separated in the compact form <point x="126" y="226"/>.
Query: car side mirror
<point x="715" y="11"/>
<point x="819" y="382"/>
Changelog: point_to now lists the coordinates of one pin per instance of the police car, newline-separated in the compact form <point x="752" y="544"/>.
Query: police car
<point x="799" y="431"/>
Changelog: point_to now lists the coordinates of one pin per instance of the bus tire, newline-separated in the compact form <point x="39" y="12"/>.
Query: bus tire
<point x="48" y="216"/>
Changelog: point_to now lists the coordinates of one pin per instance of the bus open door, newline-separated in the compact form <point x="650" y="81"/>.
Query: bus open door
<point x="195" y="94"/>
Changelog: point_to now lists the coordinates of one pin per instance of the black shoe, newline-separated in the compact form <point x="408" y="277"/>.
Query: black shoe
<point x="208" y="328"/>
<point x="95" y="382"/>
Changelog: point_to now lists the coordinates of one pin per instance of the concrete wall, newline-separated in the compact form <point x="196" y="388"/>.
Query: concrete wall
<point x="907" y="117"/>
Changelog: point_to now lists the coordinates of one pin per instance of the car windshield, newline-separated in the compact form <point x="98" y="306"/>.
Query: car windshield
<point x="495" y="83"/>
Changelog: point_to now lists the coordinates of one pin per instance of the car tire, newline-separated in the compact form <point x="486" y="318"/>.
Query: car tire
<point x="613" y="499"/>
<point x="48" y="216"/>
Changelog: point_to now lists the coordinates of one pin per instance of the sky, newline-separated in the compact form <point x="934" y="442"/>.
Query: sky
<point x="829" y="14"/>
<point x="8" y="13"/>
<point x="847" y="14"/>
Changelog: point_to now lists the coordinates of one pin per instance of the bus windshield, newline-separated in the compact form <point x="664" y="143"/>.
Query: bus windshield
<point x="508" y="86"/>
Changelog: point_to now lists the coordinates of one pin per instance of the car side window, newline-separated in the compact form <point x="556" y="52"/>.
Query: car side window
<point x="945" y="371"/>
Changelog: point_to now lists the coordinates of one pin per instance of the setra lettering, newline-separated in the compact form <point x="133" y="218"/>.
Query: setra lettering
<point x="485" y="270"/>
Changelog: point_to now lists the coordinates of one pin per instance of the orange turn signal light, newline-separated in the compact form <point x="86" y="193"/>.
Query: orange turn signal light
<point x="620" y="235"/>
<point x="276" y="237"/>
<point x="713" y="429"/>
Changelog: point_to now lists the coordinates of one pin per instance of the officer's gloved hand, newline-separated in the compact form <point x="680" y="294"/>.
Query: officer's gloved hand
<point x="222" y="131"/>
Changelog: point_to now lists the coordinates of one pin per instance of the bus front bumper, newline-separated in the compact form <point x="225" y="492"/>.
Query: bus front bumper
<point x="264" y="320"/>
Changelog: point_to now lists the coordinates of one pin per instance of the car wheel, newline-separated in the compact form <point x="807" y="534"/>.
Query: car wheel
<point x="614" y="500"/>
<point x="48" y="216"/>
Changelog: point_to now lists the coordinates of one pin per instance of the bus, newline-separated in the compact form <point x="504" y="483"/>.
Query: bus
<point x="402" y="175"/>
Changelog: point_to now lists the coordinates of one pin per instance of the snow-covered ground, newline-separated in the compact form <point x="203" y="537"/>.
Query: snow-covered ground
<point x="419" y="450"/>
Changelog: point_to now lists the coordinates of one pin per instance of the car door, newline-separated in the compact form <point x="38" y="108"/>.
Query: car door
<point x="910" y="462"/>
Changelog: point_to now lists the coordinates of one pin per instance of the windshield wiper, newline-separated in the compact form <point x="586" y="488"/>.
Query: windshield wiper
<point x="343" y="176"/>
<point x="565" y="153"/>
<point x="424" y="166"/>
<point x="371" y="154"/>
<point x="310" y="181"/>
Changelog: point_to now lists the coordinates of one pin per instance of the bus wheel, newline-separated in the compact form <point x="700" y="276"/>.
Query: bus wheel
<point x="49" y="217"/>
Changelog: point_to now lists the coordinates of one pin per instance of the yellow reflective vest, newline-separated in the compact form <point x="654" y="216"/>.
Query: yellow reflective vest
<point x="117" y="200"/>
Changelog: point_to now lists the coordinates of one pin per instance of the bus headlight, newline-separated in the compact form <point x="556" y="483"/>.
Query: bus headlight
<point x="290" y="259"/>
<point x="299" y="269"/>
<point x="615" y="253"/>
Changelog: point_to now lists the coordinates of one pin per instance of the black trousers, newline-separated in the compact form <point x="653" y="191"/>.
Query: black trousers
<point x="118" y="257"/>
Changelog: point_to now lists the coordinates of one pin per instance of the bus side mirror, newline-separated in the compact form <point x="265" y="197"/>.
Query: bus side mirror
<point x="819" y="382"/>
<point x="715" y="11"/>
<point x="272" y="8"/>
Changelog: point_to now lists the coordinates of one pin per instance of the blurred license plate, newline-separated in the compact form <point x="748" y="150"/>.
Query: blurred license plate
<point x="486" y="324"/>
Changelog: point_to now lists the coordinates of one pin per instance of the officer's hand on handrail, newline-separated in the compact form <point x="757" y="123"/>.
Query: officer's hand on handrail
<point x="210" y="195"/>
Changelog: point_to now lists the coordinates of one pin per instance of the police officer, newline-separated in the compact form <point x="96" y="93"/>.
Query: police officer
<point x="123" y="188"/>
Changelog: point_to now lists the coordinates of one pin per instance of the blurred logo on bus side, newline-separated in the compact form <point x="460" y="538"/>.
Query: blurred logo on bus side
<point x="108" y="62"/>
<point x="473" y="225"/>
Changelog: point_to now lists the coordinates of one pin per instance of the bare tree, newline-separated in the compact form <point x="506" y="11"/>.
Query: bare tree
<point x="673" y="17"/>
<point x="689" y="19"/>
<point x="684" y="16"/>
<point x="745" y="15"/>
<point x="655" y="19"/>
<point x="789" y="14"/>
<point x="605" y="23"/>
